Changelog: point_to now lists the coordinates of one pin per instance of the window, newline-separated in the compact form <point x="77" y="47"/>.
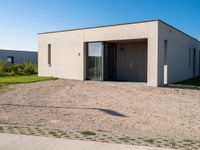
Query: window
<point x="165" y="52"/>
<point x="49" y="54"/>
<point x="190" y="57"/>
<point x="10" y="59"/>
<point x="95" y="61"/>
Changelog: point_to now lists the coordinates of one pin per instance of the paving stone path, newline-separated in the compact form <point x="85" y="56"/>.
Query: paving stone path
<point x="100" y="136"/>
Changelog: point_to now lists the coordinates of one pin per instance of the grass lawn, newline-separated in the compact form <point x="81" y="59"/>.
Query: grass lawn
<point x="6" y="80"/>
<point x="194" y="83"/>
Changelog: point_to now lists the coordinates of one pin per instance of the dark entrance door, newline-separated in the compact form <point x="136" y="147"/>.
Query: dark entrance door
<point x="110" y="61"/>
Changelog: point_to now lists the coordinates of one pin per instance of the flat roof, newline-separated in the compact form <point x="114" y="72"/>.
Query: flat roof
<point x="137" y="22"/>
<point x="98" y="26"/>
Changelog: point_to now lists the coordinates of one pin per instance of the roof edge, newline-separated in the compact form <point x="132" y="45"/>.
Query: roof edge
<point x="99" y="26"/>
<point x="121" y="24"/>
<point x="178" y="30"/>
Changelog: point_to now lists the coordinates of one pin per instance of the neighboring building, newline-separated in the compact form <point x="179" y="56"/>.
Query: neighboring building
<point x="14" y="56"/>
<point x="150" y="51"/>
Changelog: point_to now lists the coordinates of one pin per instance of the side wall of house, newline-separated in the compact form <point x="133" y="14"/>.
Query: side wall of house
<point x="177" y="63"/>
<point x="19" y="56"/>
<point x="68" y="49"/>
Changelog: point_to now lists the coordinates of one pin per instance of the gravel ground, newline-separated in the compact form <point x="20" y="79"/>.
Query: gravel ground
<point x="120" y="108"/>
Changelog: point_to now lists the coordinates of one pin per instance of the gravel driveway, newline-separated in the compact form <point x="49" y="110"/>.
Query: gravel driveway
<point x="120" y="108"/>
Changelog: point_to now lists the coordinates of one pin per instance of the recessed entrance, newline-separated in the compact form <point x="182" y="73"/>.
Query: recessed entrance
<point x="117" y="61"/>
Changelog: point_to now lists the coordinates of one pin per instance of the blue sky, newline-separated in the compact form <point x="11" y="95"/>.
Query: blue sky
<point x="21" y="20"/>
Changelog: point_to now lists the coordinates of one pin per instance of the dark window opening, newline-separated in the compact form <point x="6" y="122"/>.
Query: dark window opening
<point x="10" y="59"/>
<point x="194" y="62"/>
<point x="165" y="52"/>
<point x="49" y="54"/>
<point x="189" y="57"/>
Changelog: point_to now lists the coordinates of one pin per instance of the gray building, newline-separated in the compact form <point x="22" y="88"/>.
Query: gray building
<point x="16" y="56"/>
<point x="152" y="51"/>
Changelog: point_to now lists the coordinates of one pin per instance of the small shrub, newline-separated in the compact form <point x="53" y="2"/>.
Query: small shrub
<point x="30" y="68"/>
<point x="16" y="68"/>
<point x="2" y="66"/>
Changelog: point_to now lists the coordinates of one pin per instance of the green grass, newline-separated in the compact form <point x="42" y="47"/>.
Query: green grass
<point x="18" y="79"/>
<point x="194" y="83"/>
<point x="149" y="141"/>
<point x="87" y="133"/>
<point x="12" y="74"/>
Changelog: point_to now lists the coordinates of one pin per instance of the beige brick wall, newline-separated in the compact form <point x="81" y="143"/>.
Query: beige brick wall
<point x="66" y="46"/>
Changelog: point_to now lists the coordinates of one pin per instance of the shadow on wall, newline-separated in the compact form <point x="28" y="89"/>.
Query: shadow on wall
<point x="107" y="111"/>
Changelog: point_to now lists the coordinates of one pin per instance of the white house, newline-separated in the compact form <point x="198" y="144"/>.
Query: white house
<point x="149" y="51"/>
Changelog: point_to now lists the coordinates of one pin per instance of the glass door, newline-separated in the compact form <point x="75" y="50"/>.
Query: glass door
<point x="95" y="61"/>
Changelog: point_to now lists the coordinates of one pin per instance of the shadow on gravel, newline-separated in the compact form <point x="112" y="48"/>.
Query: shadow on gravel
<point x="111" y="112"/>
<point x="107" y="111"/>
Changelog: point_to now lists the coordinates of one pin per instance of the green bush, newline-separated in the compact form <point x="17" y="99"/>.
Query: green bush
<point x="30" y="68"/>
<point x="15" y="69"/>
<point x="2" y="66"/>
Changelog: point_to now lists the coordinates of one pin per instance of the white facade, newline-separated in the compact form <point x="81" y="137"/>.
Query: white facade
<point x="68" y="50"/>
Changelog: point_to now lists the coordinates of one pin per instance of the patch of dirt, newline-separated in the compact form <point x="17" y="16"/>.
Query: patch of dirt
<point x="120" y="108"/>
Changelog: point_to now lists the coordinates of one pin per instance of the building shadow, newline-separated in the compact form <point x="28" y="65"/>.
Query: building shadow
<point x="107" y="111"/>
<point x="110" y="112"/>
